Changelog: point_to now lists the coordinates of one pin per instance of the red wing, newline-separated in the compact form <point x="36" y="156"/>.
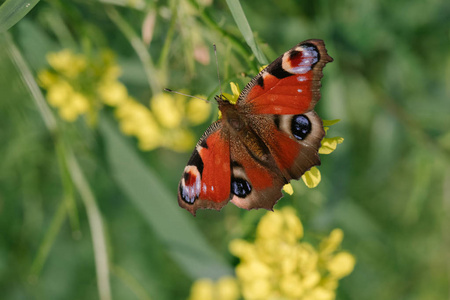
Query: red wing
<point x="206" y="179"/>
<point x="291" y="84"/>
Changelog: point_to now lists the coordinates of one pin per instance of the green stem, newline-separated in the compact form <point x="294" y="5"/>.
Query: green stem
<point x="95" y="221"/>
<point x="68" y="189"/>
<point x="134" y="285"/>
<point x="139" y="47"/>
<point x="237" y="44"/>
<point x="49" y="239"/>
<point x="162" y="63"/>
<point x="95" y="224"/>
<point x="246" y="31"/>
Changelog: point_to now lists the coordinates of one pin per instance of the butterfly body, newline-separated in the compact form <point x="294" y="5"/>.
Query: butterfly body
<point x="270" y="136"/>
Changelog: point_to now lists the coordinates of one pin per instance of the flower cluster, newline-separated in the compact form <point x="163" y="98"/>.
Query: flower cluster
<point x="78" y="85"/>
<point x="278" y="265"/>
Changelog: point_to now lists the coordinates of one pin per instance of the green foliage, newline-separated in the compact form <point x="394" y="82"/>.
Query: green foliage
<point x="84" y="214"/>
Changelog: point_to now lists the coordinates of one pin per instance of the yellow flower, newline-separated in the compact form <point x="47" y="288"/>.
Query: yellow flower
<point x="257" y="289"/>
<point x="166" y="111"/>
<point x="68" y="113"/>
<point x="67" y="63"/>
<point x="197" y="111"/>
<point x="79" y="103"/>
<point x="47" y="78"/>
<point x="320" y="293"/>
<point x="232" y="98"/>
<point x="292" y="286"/>
<point x="112" y="92"/>
<point x="59" y="93"/>
<point x="244" y="250"/>
<point x="179" y="140"/>
<point x="330" y="144"/>
<point x="226" y="288"/>
<point x="270" y="225"/>
<point x="137" y="120"/>
<point x="331" y="243"/>
<point x="312" y="177"/>
<point x="287" y="188"/>
<point x="341" y="264"/>
<point x="202" y="289"/>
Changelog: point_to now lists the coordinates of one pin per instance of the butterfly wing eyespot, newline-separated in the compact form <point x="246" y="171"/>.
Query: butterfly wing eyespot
<point x="300" y="126"/>
<point x="240" y="187"/>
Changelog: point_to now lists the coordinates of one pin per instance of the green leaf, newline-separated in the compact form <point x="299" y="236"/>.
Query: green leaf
<point x="159" y="207"/>
<point x="12" y="11"/>
<point x="244" y="28"/>
<point x="330" y="122"/>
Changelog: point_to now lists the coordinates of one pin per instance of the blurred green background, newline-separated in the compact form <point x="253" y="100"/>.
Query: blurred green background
<point x="70" y="192"/>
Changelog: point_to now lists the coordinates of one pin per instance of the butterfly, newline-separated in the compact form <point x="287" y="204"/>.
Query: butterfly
<point x="270" y="136"/>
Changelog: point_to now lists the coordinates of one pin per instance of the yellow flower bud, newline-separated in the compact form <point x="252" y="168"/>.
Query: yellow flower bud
<point x="291" y="286"/>
<point x="293" y="224"/>
<point x="328" y="145"/>
<point x="341" y="264"/>
<point x="320" y="293"/>
<point x="112" y="93"/>
<point x="79" y="103"/>
<point x="331" y="243"/>
<point x="59" y="93"/>
<point x="67" y="63"/>
<point x="288" y="189"/>
<point x="227" y="289"/>
<point x="68" y="113"/>
<point x="312" y="177"/>
<point x="270" y="225"/>
<point x="47" y="79"/>
<point x="202" y="289"/>
<point x="258" y="289"/>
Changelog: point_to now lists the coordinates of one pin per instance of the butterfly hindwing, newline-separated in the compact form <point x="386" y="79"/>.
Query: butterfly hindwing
<point x="293" y="141"/>
<point x="274" y="150"/>
<point x="256" y="181"/>
<point x="206" y="178"/>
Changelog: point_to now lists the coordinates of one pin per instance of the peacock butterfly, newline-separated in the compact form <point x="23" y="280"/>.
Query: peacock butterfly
<point x="269" y="137"/>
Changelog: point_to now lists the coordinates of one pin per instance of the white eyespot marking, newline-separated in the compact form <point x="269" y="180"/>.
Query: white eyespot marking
<point x="309" y="57"/>
<point x="299" y="90"/>
<point x="190" y="190"/>
<point x="212" y="188"/>
<point x="301" y="78"/>
<point x="204" y="188"/>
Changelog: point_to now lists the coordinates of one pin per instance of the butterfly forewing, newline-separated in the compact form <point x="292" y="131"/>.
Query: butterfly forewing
<point x="291" y="83"/>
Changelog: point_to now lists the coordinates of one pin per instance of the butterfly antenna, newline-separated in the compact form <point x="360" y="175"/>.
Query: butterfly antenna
<point x="183" y="94"/>
<point x="218" y="75"/>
